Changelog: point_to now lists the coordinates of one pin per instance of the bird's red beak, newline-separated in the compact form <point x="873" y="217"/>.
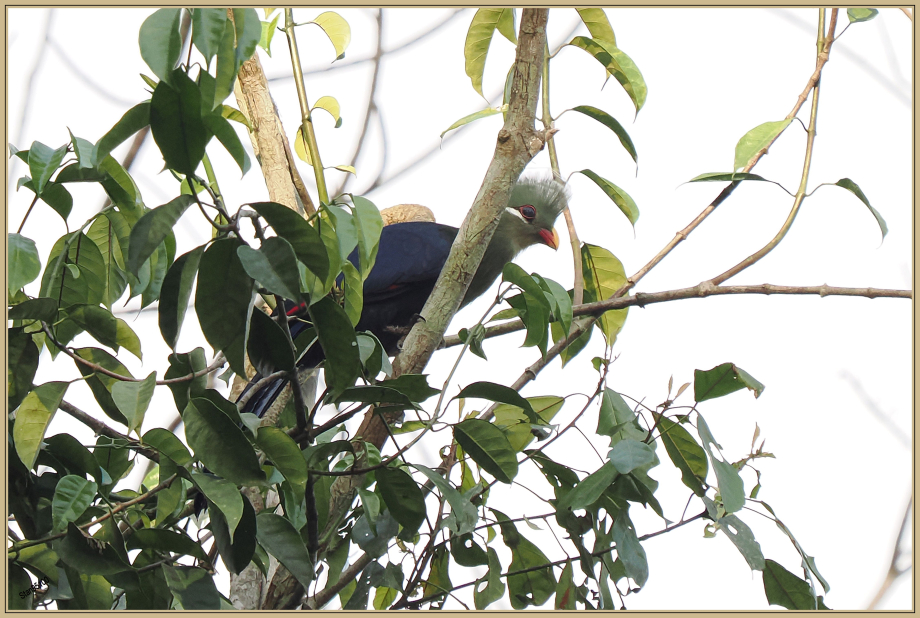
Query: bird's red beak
<point x="550" y="238"/>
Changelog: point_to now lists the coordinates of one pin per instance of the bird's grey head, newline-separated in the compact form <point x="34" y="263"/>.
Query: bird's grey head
<point x="532" y="210"/>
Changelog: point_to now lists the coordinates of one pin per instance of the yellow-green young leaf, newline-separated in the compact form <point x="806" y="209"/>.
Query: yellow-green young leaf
<point x="269" y="11"/>
<point x="506" y="25"/>
<point x="337" y="29"/>
<point x="858" y="15"/>
<point x="515" y="424"/>
<point x="489" y="111"/>
<point x="384" y="597"/>
<point x="231" y="113"/>
<point x="354" y="292"/>
<point x="331" y="105"/>
<point x="478" y="38"/>
<point x="604" y="275"/>
<point x="599" y="27"/>
<point x="133" y="398"/>
<point x="268" y="32"/>
<point x="348" y="169"/>
<point x="619" y="65"/>
<point x="300" y="147"/>
<point x="756" y="140"/>
<point x="32" y="419"/>
<point x="619" y="197"/>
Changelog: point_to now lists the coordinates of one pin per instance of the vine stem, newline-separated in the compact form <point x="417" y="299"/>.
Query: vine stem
<point x="306" y="121"/>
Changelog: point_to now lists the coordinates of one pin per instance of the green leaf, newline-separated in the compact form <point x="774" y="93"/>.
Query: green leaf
<point x="227" y="136"/>
<point x="22" y="354"/>
<point x="281" y="540"/>
<point x="627" y="455"/>
<point x="611" y="123"/>
<point x="176" y="123"/>
<point x="34" y="309"/>
<point x="727" y="177"/>
<point x="43" y="163"/>
<point x="181" y="365"/>
<point x="533" y="587"/>
<point x="756" y="140"/>
<point x="723" y="380"/>
<point x="858" y="15"/>
<point x="72" y="496"/>
<point x="786" y="590"/>
<point x="463" y="516"/>
<point x="354" y="292"/>
<point x="236" y="548"/>
<point x="403" y="498"/>
<point x="273" y="266"/>
<point x="84" y="150"/>
<point x="368" y="224"/>
<point x="330" y="104"/>
<point x="488" y="447"/>
<point x="743" y="538"/>
<point x="166" y="443"/>
<point x="617" y="195"/>
<point x="133" y="121"/>
<point x="268" y="348"/>
<point x="19" y="588"/>
<point x="731" y="486"/>
<point x="413" y="386"/>
<point x="304" y="239"/>
<point x="192" y="587"/>
<point x="166" y="541"/>
<point x="589" y="489"/>
<point x="105" y="328"/>
<point x="268" y="33"/>
<point x="337" y="338"/>
<point x="284" y="453"/>
<point x="56" y="196"/>
<point x="89" y="558"/>
<point x="220" y="444"/>
<point x="226" y="496"/>
<point x="565" y="591"/>
<point x="599" y="27"/>
<point x="485" y="113"/>
<point x="33" y="417"/>
<point x="516" y="426"/>
<point x="478" y="38"/>
<point x="604" y="275"/>
<point x="153" y="228"/>
<point x="160" y="42"/>
<point x="617" y="64"/>
<point x="685" y="453"/>
<point x="103" y="233"/>
<point x="101" y="384"/>
<point x="175" y="294"/>
<point x="853" y="188"/>
<point x="337" y="29"/>
<point x="133" y="398"/>
<point x="223" y="300"/>
<point x="494" y="588"/>
<point x="231" y="113"/>
<point x="208" y="30"/>
<point x="629" y="550"/>
<point x="24" y="263"/>
<point x="499" y="394"/>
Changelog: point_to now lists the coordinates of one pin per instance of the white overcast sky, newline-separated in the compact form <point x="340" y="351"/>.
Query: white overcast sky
<point x="836" y="411"/>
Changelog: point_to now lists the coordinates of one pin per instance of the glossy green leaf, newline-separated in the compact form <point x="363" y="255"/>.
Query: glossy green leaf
<point x="855" y="16"/>
<point x="133" y="398"/>
<point x="208" y="30"/>
<point x="226" y="496"/>
<point x="499" y="394"/>
<point x="756" y="140"/>
<point x="181" y="365"/>
<point x="617" y="64"/>
<point x="685" y="453"/>
<point x="220" y="444"/>
<point x="133" y="121"/>
<point x="787" y="590"/>
<point x="304" y="239"/>
<point x="723" y="380"/>
<point x="604" y="275"/>
<point x="281" y="540"/>
<point x="34" y="309"/>
<point x="71" y="456"/>
<point x="72" y="496"/>
<point x="176" y="123"/>
<point x="629" y="550"/>
<point x="160" y="42"/>
<point x="353" y="289"/>
<point x="24" y="265"/>
<point x="166" y="541"/>
<point x="273" y="266"/>
<point x="337" y="29"/>
<point x="223" y="300"/>
<point x="611" y="123"/>
<point x="268" y="348"/>
<point x="101" y="384"/>
<point x="337" y="337"/>
<point x="22" y="353"/>
<point x="368" y="225"/>
<point x="284" y="453"/>
<point x="236" y="547"/>
<point x="485" y="113"/>
<point x="489" y="447"/>
<point x="43" y="163"/>
<point x="403" y="498"/>
<point x="478" y="38"/>
<point x="103" y="233"/>
<point x="166" y="443"/>
<point x="175" y="294"/>
<point x="227" y="136"/>
<point x="599" y="27"/>
<point x="192" y="587"/>
<point x="106" y="328"/>
<point x="87" y="557"/>
<point x="33" y="417"/>
<point x="853" y="188"/>
<point x="617" y="195"/>
<point x="153" y="228"/>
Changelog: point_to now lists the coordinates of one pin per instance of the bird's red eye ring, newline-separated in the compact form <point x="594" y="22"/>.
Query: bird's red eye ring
<point x="528" y="212"/>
